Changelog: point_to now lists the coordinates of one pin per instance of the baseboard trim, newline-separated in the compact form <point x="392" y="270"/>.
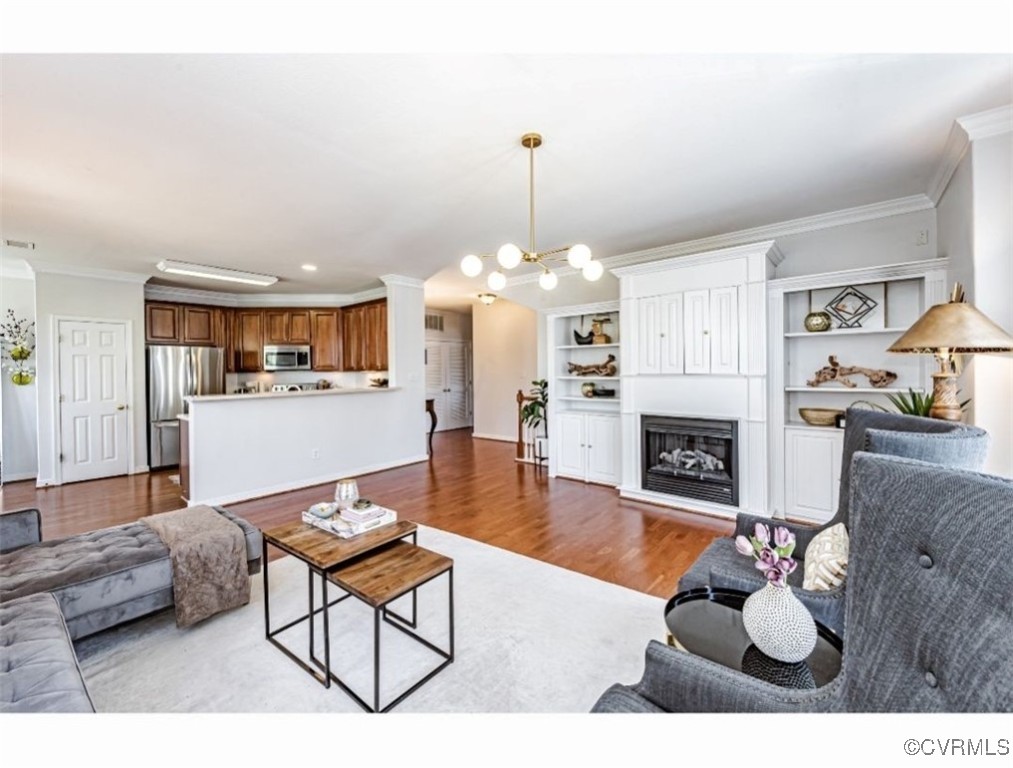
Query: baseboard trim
<point x="17" y="477"/>
<point x="498" y="438"/>
<point x="296" y="485"/>
<point x="680" y="503"/>
<point x="140" y="470"/>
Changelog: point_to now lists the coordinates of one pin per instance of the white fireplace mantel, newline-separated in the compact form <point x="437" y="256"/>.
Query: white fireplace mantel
<point x="695" y="345"/>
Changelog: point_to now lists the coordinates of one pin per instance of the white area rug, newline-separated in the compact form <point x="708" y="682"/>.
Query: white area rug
<point x="530" y="637"/>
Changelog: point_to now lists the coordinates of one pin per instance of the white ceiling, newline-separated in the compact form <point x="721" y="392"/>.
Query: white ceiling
<point x="374" y="164"/>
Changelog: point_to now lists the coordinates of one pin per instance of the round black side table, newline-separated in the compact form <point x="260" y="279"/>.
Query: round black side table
<point x="708" y="622"/>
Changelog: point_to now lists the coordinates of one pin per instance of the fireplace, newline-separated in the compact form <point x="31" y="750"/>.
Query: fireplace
<point x="689" y="457"/>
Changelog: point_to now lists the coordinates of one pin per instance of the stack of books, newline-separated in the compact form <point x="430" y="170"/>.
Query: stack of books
<point x="352" y="522"/>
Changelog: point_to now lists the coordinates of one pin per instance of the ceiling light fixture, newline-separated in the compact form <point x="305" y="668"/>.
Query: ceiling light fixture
<point x="487" y="298"/>
<point x="215" y="273"/>
<point x="509" y="256"/>
<point x="310" y="267"/>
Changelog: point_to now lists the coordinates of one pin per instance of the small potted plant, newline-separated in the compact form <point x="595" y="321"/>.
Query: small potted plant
<point x="776" y="621"/>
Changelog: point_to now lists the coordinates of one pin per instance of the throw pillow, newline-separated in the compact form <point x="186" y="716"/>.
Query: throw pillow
<point x="826" y="559"/>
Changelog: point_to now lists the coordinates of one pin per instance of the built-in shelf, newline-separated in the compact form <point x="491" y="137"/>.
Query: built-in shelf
<point x="843" y="332"/>
<point x="853" y="390"/>
<point x="803" y="425"/>
<point x="588" y="378"/>
<point x="586" y="346"/>
<point x="589" y="399"/>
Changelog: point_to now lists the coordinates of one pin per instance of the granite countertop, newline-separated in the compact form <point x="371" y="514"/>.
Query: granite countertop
<point x="278" y="395"/>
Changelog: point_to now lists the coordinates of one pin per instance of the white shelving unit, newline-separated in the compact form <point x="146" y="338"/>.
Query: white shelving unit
<point x="583" y="431"/>
<point x="805" y="460"/>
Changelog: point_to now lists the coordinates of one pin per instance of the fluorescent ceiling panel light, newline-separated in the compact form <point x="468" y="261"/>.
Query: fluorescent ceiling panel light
<point x="215" y="273"/>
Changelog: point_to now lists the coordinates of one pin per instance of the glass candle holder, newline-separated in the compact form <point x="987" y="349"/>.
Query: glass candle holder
<point x="346" y="493"/>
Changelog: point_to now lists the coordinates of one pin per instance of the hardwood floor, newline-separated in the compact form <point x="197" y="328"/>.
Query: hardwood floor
<point x="473" y="488"/>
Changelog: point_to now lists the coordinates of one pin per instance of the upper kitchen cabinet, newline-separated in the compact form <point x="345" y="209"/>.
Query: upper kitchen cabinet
<point x="364" y="336"/>
<point x="287" y="326"/>
<point x="248" y="339"/>
<point x="162" y="323"/>
<point x="199" y="325"/>
<point x="325" y="330"/>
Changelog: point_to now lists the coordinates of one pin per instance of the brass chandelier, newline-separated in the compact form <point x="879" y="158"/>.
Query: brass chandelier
<point x="509" y="255"/>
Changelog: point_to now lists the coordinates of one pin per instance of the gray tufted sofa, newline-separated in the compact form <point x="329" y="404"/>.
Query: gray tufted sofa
<point x="928" y="608"/>
<point x="101" y="578"/>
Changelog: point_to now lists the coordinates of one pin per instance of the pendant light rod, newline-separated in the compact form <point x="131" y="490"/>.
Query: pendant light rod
<point x="531" y="198"/>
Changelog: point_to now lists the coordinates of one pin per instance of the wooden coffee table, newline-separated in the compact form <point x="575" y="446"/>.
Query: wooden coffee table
<point x="378" y="579"/>
<point x="322" y="552"/>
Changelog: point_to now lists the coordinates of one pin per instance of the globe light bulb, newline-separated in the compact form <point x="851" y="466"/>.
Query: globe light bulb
<point x="497" y="281"/>
<point x="578" y="256"/>
<point x="508" y="256"/>
<point x="548" y="280"/>
<point x="593" y="270"/>
<point x="471" y="265"/>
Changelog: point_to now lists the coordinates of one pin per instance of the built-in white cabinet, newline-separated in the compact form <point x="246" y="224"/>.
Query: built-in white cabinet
<point x="812" y="472"/>
<point x="694" y="332"/>
<point x="587" y="447"/>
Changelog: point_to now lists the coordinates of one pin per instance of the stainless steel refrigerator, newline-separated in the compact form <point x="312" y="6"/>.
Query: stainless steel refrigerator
<point x="175" y="373"/>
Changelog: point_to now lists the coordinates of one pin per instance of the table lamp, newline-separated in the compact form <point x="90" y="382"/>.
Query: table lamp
<point x="946" y="330"/>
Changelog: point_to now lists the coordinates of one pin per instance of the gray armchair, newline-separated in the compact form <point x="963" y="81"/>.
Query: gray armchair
<point x="928" y="608"/>
<point x="931" y="440"/>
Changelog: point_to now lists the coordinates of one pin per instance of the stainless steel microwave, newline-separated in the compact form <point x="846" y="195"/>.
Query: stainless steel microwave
<point x="286" y="358"/>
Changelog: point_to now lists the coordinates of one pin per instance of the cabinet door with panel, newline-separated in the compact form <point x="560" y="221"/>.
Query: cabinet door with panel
<point x="249" y="341"/>
<point x="603" y="448"/>
<point x="380" y="336"/>
<point x="299" y="327"/>
<point x="325" y="329"/>
<point x="672" y="333"/>
<point x="231" y="322"/>
<point x="198" y="325"/>
<point x="696" y="311"/>
<point x="724" y="330"/>
<point x="353" y="329"/>
<point x="571" y="446"/>
<point x="162" y="323"/>
<point x="649" y="335"/>
<point x="812" y="472"/>
<point x="276" y="326"/>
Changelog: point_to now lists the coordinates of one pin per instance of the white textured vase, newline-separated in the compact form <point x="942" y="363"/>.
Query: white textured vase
<point x="779" y="624"/>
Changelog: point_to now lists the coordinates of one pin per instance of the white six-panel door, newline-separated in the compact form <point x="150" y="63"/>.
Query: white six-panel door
<point x="93" y="396"/>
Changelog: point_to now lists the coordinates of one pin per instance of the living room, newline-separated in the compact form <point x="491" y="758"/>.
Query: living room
<point x="576" y="371"/>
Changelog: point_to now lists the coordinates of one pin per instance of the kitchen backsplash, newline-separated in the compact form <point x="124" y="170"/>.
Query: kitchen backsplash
<point x="346" y="379"/>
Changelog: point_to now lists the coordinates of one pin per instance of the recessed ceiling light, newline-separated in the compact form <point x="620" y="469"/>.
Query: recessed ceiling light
<point x="310" y="267"/>
<point x="215" y="273"/>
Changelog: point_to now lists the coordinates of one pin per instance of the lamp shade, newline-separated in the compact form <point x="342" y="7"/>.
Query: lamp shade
<point x="957" y="327"/>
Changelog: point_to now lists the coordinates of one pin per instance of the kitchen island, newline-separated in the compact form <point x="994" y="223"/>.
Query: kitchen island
<point x="242" y="446"/>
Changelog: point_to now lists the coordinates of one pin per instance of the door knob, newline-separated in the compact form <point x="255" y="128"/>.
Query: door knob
<point x="121" y="407"/>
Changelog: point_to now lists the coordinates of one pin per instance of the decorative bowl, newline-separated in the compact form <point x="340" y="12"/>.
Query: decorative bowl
<point x="324" y="509"/>
<point x="819" y="417"/>
<point x="818" y="322"/>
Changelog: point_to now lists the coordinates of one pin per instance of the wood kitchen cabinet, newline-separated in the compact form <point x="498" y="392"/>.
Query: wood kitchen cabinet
<point x="376" y="336"/>
<point x="198" y="325"/>
<point x="353" y="332"/>
<point x="325" y="330"/>
<point x="162" y="323"/>
<point x="248" y="340"/>
<point x="364" y="336"/>
<point x="287" y="326"/>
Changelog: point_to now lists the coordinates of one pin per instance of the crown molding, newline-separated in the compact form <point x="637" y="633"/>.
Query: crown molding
<point x="403" y="281"/>
<point x="15" y="269"/>
<point x="223" y="299"/>
<point x="993" y="122"/>
<point x="956" y="145"/>
<point x="581" y="309"/>
<point x="47" y="267"/>
<point x="887" y="208"/>
<point x="767" y="248"/>
<point x="859" y="276"/>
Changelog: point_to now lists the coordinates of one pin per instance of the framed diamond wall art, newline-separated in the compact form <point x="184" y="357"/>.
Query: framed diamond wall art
<point x="852" y="307"/>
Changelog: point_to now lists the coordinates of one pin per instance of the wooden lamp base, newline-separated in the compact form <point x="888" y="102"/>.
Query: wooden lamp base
<point x="944" y="397"/>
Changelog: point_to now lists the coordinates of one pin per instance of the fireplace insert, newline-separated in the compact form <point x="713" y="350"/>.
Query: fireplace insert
<point x="691" y="457"/>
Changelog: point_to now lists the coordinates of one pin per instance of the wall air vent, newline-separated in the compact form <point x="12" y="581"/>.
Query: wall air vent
<point x="434" y="322"/>
<point x="20" y="244"/>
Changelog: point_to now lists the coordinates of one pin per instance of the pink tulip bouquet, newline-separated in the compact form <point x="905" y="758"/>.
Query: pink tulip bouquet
<point x="773" y="557"/>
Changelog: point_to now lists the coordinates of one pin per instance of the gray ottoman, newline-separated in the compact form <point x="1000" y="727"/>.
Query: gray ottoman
<point x="38" y="668"/>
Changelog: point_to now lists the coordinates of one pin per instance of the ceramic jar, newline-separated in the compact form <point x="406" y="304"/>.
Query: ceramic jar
<point x="779" y="624"/>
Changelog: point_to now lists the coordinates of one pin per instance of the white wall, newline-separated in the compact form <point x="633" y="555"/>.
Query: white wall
<point x="86" y="298"/>
<point x="456" y="326"/>
<point x="992" y="175"/>
<point x="18" y="410"/>
<point x="506" y="359"/>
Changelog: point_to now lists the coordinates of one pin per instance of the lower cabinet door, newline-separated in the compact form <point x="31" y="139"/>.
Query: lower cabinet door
<point x="812" y="472"/>
<point x="603" y="449"/>
<point x="571" y="446"/>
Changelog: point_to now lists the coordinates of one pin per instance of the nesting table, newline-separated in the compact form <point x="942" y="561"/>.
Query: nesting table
<point x="377" y="568"/>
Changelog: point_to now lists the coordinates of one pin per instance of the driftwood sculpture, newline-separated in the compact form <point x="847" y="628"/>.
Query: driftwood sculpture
<point x="840" y="373"/>
<point x="608" y="368"/>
